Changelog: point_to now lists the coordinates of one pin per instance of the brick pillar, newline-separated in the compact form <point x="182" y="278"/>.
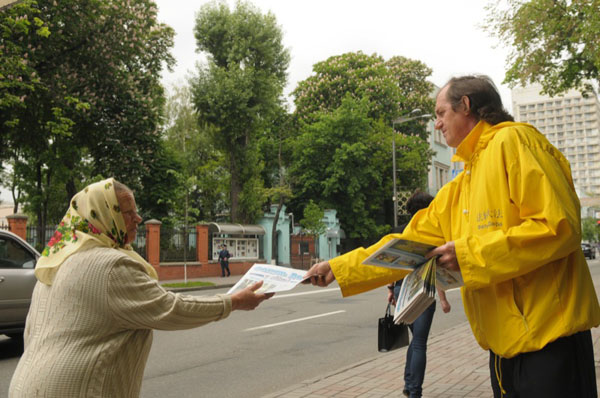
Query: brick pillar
<point x="153" y="242"/>
<point x="202" y="243"/>
<point x="17" y="224"/>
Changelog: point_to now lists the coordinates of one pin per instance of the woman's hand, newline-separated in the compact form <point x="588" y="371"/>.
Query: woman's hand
<point x="247" y="299"/>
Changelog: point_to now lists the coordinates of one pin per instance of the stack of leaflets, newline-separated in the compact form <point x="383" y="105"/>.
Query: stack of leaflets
<point x="418" y="288"/>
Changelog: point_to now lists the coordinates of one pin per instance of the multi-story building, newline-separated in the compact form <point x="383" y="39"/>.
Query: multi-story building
<point x="572" y="124"/>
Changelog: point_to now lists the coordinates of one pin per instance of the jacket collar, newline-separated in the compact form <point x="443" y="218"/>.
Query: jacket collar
<point x="476" y="140"/>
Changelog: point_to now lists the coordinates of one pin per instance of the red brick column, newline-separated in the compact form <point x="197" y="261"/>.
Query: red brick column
<point x="153" y="242"/>
<point x="17" y="224"/>
<point x="202" y="243"/>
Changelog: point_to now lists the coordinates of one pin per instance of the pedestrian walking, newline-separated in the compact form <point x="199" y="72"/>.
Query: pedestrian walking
<point x="224" y="260"/>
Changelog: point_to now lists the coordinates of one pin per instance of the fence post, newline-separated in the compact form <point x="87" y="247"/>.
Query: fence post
<point x="153" y="242"/>
<point x="202" y="243"/>
<point x="17" y="224"/>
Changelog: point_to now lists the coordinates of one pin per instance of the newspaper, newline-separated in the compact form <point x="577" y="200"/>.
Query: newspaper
<point x="276" y="278"/>
<point x="418" y="287"/>
<point x="410" y="255"/>
<point x="416" y="294"/>
<point x="400" y="254"/>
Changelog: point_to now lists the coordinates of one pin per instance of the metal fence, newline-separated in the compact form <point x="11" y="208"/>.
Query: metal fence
<point x="34" y="238"/>
<point x="5" y="227"/>
<point x="139" y="243"/>
<point x="172" y="242"/>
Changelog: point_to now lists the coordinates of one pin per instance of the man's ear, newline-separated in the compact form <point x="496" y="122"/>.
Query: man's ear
<point x="466" y="103"/>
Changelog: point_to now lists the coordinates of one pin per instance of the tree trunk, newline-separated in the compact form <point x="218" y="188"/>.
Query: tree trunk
<point x="71" y="189"/>
<point x="274" y="231"/>
<point x="235" y="190"/>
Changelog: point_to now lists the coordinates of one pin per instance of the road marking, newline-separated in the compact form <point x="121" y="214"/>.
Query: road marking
<point x="294" y="320"/>
<point x="304" y="293"/>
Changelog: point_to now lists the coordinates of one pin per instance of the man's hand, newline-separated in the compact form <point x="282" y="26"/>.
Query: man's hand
<point x="319" y="274"/>
<point x="247" y="299"/>
<point x="447" y="256"/>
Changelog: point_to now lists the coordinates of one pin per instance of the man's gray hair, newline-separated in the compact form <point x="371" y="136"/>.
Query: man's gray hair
<point x="484" y="99"/>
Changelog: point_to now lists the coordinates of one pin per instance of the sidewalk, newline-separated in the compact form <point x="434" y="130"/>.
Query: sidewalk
<point x="456" y="370"/>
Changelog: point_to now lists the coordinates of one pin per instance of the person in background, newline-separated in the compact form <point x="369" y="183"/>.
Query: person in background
<point x="224" y="260"/>
<point x="416" y="354"/>
<point x="89" y="329"/>
<point x="510" y="222"/>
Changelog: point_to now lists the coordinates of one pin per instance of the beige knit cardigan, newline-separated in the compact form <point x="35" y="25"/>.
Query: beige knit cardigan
<point x="89" y="333"/>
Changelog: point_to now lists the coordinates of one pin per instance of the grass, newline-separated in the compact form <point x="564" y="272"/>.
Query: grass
<point x="189" y="284"/>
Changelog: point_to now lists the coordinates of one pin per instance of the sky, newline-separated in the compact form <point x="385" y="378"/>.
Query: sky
<point x="445" y="35"/>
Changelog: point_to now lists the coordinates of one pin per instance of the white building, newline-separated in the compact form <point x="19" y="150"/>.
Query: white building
<point x="572" y="124"/>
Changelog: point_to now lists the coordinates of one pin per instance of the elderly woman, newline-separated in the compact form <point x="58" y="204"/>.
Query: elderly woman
<point x="89" y="329"/>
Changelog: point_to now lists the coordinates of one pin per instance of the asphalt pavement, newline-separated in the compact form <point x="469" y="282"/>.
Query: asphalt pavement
<point x="456" y="367"/>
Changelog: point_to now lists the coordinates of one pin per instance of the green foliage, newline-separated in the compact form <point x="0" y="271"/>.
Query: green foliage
<point x="391" y="87"/>
<point x="589" y="229"/>
<point x="342" y="151"/>
<point x="343" y="162"/>
<point x="554" y="42"/>
<point x="200" y="193"/>
<point x="237" y="92"/>
<point x="312" y="222"/>
<point x="86" y="75"/>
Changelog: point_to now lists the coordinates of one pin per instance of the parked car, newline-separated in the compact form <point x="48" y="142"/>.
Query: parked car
<point x="17" y="280"/>
<point x="589" y="251"/>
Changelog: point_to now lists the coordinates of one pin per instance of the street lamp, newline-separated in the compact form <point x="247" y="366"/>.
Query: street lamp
<point x="395" y="122"/>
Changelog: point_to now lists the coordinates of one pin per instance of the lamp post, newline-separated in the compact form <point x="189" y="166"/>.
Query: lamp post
<point x="395" y="122"/>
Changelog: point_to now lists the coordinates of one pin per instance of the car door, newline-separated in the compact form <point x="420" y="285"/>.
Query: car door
<point x="17" y="280"/>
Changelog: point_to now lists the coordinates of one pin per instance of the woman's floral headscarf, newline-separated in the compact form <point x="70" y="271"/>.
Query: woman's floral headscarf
<point x="94" y="219"/>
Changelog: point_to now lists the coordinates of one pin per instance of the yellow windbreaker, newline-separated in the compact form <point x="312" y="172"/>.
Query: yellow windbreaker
<point x="515" y="220"/>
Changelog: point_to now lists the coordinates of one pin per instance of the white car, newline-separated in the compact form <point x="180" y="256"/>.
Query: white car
<point x="17" y="262"/>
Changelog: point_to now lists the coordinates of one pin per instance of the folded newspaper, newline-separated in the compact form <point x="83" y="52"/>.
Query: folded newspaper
<point x="418" y="288"/>
<point x="275" y="278"/>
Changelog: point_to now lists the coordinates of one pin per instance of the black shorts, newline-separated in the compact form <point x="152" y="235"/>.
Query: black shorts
<point x="563" y="368"/>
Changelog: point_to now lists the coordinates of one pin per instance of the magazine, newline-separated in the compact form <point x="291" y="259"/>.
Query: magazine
<point x="418" y="287"/>
<point x="275" y="278"/>
<point x="400" y="254"/>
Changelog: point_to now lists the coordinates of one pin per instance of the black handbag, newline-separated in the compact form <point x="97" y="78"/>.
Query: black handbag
<point x="389" y="335"/>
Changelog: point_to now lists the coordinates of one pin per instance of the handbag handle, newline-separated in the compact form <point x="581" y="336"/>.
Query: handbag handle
<point x="388" y="312"/>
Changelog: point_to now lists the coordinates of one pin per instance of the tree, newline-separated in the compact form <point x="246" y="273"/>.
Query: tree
<point x="342" y="152"/>
<point x="202" y="178"/>
<point x="391" y="87"/>
<point x="237" y="92"/>
<point x="312" y="222"/>
<point x="95" y="101"/>
<point x="343" y="161"/>
<point x="589" y="229"/>
<point x="274" y="148"/>
<point x="554" y="42"/>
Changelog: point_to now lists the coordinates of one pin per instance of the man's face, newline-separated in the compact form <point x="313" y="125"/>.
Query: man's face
<point x="455" y="125"/>
<point x="130" y="216"/>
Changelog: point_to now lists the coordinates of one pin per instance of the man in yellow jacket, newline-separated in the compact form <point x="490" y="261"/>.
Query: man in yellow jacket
<point x="510" y="222"/>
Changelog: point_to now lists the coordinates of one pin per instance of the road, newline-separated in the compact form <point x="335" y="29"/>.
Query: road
<point x="290" y="338"/>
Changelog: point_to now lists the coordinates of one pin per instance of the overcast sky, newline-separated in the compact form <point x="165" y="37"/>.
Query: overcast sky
<point x="445" y="35"/>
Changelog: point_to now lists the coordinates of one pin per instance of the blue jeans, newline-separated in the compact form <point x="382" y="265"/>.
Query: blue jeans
<point x="416" y="355"/>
